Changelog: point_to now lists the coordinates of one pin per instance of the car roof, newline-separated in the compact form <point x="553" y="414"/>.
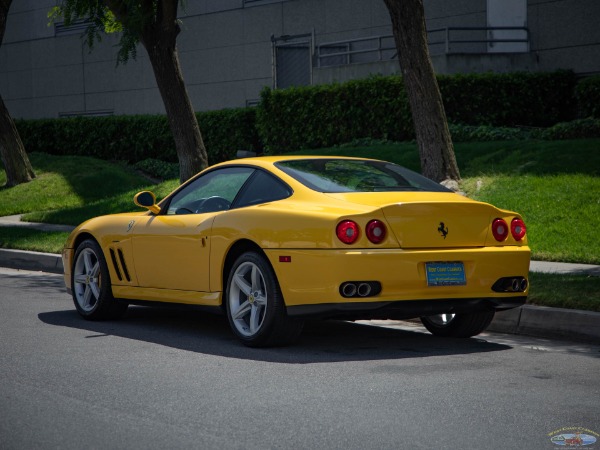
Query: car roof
<point x="268" y="161"/>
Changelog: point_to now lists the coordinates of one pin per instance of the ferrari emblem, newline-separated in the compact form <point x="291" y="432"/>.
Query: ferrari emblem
<point x="130" y="226"/>
<point x="443" y="230"/>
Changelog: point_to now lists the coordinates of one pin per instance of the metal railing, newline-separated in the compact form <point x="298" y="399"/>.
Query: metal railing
<point x="452" y="40"/>
<point x="378" y="48"/>
<point x="492" y="37"/>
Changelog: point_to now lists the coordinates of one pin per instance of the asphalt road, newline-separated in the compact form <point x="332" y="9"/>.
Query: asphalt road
<point x="177" y="378"/>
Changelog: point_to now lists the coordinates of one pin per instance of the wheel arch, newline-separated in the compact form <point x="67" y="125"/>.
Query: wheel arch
<point x="237" y="249"/>
<point x="83" y="237"/>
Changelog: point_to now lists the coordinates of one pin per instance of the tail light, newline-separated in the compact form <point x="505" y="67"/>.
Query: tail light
<point x="518" y="229"/>
<point x="347" y="231"/>
<point x="499" y="229"/>
<point x="376" y="231"/>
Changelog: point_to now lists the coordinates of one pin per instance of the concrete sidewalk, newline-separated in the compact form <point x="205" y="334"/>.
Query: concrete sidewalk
<point x="15" y="221"/>
<point x="528" y="320"/>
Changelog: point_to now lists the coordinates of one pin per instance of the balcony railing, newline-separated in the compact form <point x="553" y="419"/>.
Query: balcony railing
<point x="447" y="40"/>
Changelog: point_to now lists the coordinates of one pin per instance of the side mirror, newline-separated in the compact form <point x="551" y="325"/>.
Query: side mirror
<point x="146" y="199"/>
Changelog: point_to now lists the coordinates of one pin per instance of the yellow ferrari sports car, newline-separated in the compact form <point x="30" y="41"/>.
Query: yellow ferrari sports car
<point x="270" y="241"/>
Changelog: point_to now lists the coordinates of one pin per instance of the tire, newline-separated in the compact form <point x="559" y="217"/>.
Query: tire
<point x="255" y="305"/>
<point x="91" y="286"/>
<point x="458" y="325"/>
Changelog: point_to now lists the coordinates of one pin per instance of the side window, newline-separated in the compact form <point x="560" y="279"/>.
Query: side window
<point x="213" y="191"/>
<point x="262" y="188"/>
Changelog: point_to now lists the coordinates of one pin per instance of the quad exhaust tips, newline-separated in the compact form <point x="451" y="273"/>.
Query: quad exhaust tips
<point x="352" y="289"/>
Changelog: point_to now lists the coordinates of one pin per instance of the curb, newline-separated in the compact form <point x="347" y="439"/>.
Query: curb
<point x="35" y="261"/>
<point x="543" y="321"/>
<point x="538" y="321"/>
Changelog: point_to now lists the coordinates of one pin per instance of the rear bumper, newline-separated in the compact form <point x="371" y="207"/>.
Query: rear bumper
<point x="313" y="277"/>
<point x="407" y="309"/>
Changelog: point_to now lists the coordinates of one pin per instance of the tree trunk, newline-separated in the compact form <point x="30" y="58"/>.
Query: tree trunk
<point x="429" y="117"/>
<point x="16" y="163"/>
<point x="180" y="113"/>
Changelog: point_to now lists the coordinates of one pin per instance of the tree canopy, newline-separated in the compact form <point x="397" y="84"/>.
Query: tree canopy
<point x="154" y="24"/>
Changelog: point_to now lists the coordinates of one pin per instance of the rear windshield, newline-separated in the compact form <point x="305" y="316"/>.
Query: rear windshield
<point x="346" y="175"/>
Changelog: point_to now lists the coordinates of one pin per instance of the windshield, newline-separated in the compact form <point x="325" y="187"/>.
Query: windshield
<point x="348" y="175"/>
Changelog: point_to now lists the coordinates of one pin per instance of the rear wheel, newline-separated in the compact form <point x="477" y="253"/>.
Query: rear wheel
<point x="90" y="284"/>
<point x="255" y="305"/>
<point x="458" y="325"/>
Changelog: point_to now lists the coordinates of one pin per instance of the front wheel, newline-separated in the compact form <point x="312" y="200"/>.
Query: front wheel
<point x="255" y="305"/>
<point x="90" y="284"/>
<point x="458" y="325"/>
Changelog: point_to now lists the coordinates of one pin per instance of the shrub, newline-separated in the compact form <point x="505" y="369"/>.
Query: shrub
<point x="136" y="138"/>
<point x="509" y="100"/>
<point x="377" y="107"/>
<point x="228" y="130"/>
<point x="484" y="133"/>
<point x="577" y="129"/>
<point x="326" y="115"/>
<point x="587" y="93"/>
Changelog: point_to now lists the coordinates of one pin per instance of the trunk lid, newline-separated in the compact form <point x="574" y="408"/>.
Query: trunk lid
<point x="432" y="220"/>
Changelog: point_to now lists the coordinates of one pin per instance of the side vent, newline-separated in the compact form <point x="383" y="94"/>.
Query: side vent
<point x="115" y="265"/>
<point x="119" y="264"/>
<point x="123" y="265"/>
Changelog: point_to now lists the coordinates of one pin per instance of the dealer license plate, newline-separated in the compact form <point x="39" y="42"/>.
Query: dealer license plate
<point x="445" y="273"/>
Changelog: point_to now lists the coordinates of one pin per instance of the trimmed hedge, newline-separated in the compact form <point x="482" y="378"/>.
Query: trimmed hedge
<point x="587" y="94"/>
<point x="228" y="130"/>
<point x="325" y="115"/>
<point x="136" y="138"/>
<point x="322" y="116"/>
<point x="481" y="107"/>
<point x="577" y="129"/>
<point x="519" y="99"/>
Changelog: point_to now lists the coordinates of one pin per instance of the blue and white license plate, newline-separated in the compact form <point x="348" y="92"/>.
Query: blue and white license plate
<point x="445" y="273"/>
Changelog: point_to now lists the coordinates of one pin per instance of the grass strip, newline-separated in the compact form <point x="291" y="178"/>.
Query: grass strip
<point x="564" y="291"/>
<point x="20" y="238"/>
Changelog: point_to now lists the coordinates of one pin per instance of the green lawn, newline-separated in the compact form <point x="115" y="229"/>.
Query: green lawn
<point x="71" y="189"/>
<point x="564" y="291"/>
<point x="19" y="238"/>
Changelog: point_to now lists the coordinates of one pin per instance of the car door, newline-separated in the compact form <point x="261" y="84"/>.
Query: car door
<point x="171" y="250"/>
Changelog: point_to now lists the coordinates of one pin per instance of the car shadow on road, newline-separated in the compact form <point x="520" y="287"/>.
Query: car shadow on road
<point x="321" y="341"/>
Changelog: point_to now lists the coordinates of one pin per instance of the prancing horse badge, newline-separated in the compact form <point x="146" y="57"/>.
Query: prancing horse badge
<point x="443" y="230"/>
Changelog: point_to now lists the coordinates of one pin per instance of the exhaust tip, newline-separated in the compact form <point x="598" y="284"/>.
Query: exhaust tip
<point x="516" y="285"/>
<point x="524" y="284"/>
<point x="348" y="289"/>
<point x="510" y="284"/>
<point x="364" y="289"/>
